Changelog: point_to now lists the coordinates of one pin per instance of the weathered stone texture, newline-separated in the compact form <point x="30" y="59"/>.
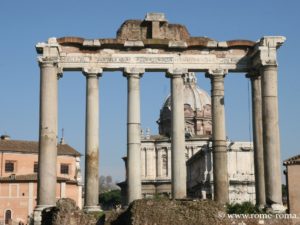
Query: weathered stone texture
<point x="67" y="213"/>
<point x="166" y="212"/>
<point x="139" y="30"/>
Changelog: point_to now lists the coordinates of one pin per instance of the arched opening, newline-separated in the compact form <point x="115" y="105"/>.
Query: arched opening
<point x="7" y="217"/>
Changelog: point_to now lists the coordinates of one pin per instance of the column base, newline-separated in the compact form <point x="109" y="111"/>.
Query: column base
<point x="260" y="207"/>
<point x="37" y="213"/>
<point x="95" y="208"/>
<point x="276" y="208"/>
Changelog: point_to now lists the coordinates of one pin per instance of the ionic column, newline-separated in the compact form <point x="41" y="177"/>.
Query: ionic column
<point x="271" y="141"/>
<point x="178" y="174"/>
<point x="258" y="139"/>
<point x="133" y="134"/>
<point x="47" y="135"/>
<point x="266" y="60"/>
<point x="220" y="171"/>
<point x="92" y="140"/>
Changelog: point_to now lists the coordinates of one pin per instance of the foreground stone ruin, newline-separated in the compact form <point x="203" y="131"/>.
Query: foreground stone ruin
<point x="67" y="213"/>
<point x="151" y="212"/>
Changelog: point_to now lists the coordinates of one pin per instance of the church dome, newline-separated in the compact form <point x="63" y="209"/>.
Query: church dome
<point x="197" y="110"/>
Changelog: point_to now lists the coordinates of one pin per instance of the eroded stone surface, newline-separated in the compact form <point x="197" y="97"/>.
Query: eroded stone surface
<point x="67" y="213"/>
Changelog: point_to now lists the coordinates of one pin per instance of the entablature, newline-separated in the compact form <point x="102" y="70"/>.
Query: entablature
<point x="153" y="44"/>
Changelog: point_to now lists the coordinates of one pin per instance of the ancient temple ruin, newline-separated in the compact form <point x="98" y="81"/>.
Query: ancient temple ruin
<point x="154" y="44"/>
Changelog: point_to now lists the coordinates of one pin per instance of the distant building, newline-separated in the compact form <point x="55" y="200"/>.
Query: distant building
<point x="156" y="152"/>
<point x="292" y="174"/>
<point x="18" y="178"/>
<point x="240" y="173"/>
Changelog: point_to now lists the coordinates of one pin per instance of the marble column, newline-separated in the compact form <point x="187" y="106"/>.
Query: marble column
<point x="134" y="186"/>
<point x="92" y="140"/>
<point x="178" y="136"/>
<point x="47" y="135"/>
<point x="220" y="171"/>
<point x="271" y="141"/>
<point x="258" y="138"/>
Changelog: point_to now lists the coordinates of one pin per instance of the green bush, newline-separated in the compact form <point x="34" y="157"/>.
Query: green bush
<point x="110" y="198"/>
<point x="243" y="208"/>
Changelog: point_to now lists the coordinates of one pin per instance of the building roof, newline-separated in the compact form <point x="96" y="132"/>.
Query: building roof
<point x="194" y="96"/>
<point x="292" y="160"/>
<point x="32" y="147"/>
<point x="30" y="177"/>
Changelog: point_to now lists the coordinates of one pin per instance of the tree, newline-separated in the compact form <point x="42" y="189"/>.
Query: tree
<point x="110" y="199"/>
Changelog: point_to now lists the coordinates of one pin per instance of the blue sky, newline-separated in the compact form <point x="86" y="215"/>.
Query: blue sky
<point x="25" y="23"/>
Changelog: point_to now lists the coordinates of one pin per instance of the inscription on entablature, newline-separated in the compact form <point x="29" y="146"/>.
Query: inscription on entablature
<point x="139" y="59"/>
<point x="153" y="61"/>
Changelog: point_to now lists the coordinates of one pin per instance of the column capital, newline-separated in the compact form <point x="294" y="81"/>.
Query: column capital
<point x="90" y="72"/>
<point x="176" y="72"/>
<point x="266" y="51"/>
<point x="48" y="61"/>
<point x="133" y="72"/>
<point x="253" y="74"/>
<point x="212" y="73"/>
<point x="60" y="72"/>
<point x="272" y="41"/>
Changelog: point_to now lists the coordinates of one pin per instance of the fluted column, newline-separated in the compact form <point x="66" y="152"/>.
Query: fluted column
<point x="47" y="134"/>
<point x="220" y="171"/>
<point x="178" y="135"/>
<point x="258" y="138"/>
<point x="134" y="185"/>
<point x="92" y="140"/>
<point x="271" y="141"/>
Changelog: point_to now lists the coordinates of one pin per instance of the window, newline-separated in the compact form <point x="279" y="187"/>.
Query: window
<point x="64" y="169"/>
<point x="10" y="166"/>
<point x="7" y="216"/>
<point x="35" y="167"/>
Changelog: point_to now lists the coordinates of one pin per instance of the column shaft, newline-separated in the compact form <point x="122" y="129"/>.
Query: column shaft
<point x="92" y="143"/>
<point x="47" y="135"/>
<point x="220" y="171"/>
<point x="178" y="138"/>
<point x="134" y="138"/>
<point x="271" y="135"/>
<point x="258" y="140"/>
